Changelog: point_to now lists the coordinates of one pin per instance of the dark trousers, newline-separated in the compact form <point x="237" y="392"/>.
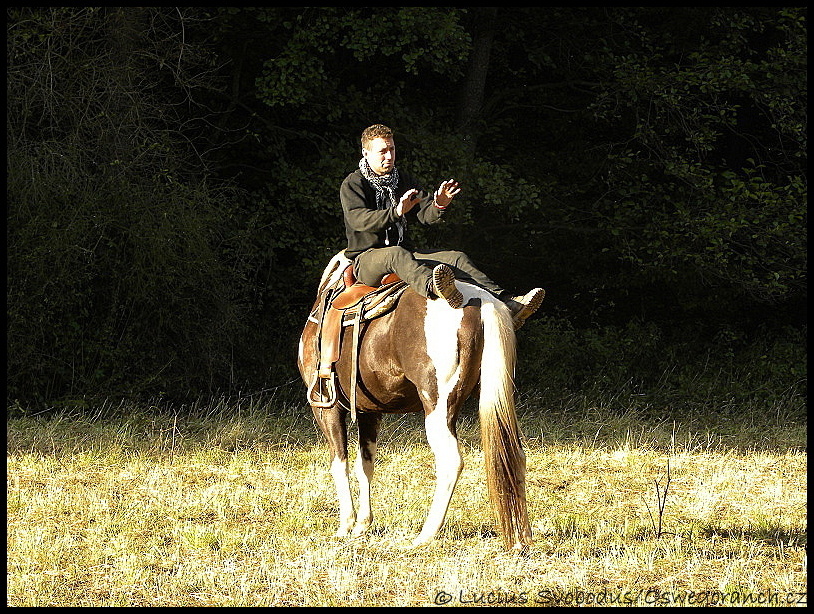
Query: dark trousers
<point x="416" y="268"/>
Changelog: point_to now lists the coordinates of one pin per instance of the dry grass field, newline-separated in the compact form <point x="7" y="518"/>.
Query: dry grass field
<point x="232" y="506"/>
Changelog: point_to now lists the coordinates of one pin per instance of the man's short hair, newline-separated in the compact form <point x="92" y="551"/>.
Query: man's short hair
<point x="375" y="131"/>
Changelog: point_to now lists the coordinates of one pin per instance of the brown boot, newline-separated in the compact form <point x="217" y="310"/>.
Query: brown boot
<point x="443" y="283"/>
<point x="522" y="307"/>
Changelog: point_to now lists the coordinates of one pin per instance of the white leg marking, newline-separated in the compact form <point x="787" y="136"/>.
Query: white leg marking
<point x="441" y="331"/>
<point x="339" y="471"/>
<point x="364" y="473"/>
<point x="448" y="466"/>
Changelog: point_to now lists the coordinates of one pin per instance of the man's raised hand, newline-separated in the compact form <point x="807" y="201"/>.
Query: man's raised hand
<point x="407" y="202"/>
<point x="448" y="190"/>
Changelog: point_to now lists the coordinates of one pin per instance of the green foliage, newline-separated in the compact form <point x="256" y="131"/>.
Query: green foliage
<point x="117" y="285"/>
<point x="306" y="68"/>
<point x="683" y="368"/>
<point x="173" y="181"/>
<point x="712" y="175"/>
<point x="119" y="279"/>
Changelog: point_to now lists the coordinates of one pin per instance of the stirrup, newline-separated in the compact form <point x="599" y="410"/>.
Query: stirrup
<point x="317" y="387"/>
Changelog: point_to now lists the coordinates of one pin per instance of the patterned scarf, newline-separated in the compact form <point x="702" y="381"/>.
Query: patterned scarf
<point x="385" y="186"/>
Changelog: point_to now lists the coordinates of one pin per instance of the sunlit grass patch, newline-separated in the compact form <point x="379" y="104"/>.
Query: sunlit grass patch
<point x="234" y="506"/>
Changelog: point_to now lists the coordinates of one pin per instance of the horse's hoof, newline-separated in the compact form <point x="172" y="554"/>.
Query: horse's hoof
<point x="521" y="549"/>
<point x="420" y="542"/>
<point x="359" y="530"/>
<point x="343" y="531"/>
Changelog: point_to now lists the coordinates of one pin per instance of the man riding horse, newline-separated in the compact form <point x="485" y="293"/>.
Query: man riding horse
<point x="393" y="351"/>
<point x="379" y="203"/>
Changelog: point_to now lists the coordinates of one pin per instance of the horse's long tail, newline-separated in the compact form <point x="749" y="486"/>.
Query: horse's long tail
<point x="500" y="435"/>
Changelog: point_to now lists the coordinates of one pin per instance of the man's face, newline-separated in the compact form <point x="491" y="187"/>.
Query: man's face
<point x="380" y="154"/>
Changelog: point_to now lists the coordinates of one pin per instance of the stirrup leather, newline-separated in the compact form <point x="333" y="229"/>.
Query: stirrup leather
<point x="342" y="306"/>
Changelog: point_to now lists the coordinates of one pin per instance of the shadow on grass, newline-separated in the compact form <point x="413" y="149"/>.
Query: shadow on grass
<point x="586" y="420"/>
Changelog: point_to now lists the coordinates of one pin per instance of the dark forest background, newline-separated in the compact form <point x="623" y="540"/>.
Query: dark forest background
<point x="173" y="176"/>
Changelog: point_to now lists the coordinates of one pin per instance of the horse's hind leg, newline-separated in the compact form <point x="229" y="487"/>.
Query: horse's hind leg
<point x="332" y="424"/>
<point x="448" y="467"/>
<point x="365" y="457"/>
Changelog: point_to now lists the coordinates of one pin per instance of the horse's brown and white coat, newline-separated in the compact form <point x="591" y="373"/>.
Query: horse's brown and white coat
<point x="426" y="356"/>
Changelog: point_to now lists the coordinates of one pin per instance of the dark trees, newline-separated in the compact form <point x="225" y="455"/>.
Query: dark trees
<point x="173" y="173"/>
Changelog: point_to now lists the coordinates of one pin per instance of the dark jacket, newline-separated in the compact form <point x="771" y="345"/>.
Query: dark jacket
<point x="366" y="226"/>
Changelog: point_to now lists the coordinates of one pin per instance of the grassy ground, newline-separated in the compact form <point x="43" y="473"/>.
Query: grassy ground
<point x="228" y="506"/>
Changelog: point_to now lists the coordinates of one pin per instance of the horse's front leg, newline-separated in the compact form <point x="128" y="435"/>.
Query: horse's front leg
<point x="448" y="467"/>
<point x="331" y="422"/>
<point x="365" y="457"/>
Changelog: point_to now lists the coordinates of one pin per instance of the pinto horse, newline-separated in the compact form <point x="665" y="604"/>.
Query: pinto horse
<point x="425" y="356"/>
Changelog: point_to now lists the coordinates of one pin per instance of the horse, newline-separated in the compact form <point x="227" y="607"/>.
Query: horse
<point x="425" y="356"/>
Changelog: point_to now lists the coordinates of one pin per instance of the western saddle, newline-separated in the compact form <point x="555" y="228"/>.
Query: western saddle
<point x="346" y="302"/>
